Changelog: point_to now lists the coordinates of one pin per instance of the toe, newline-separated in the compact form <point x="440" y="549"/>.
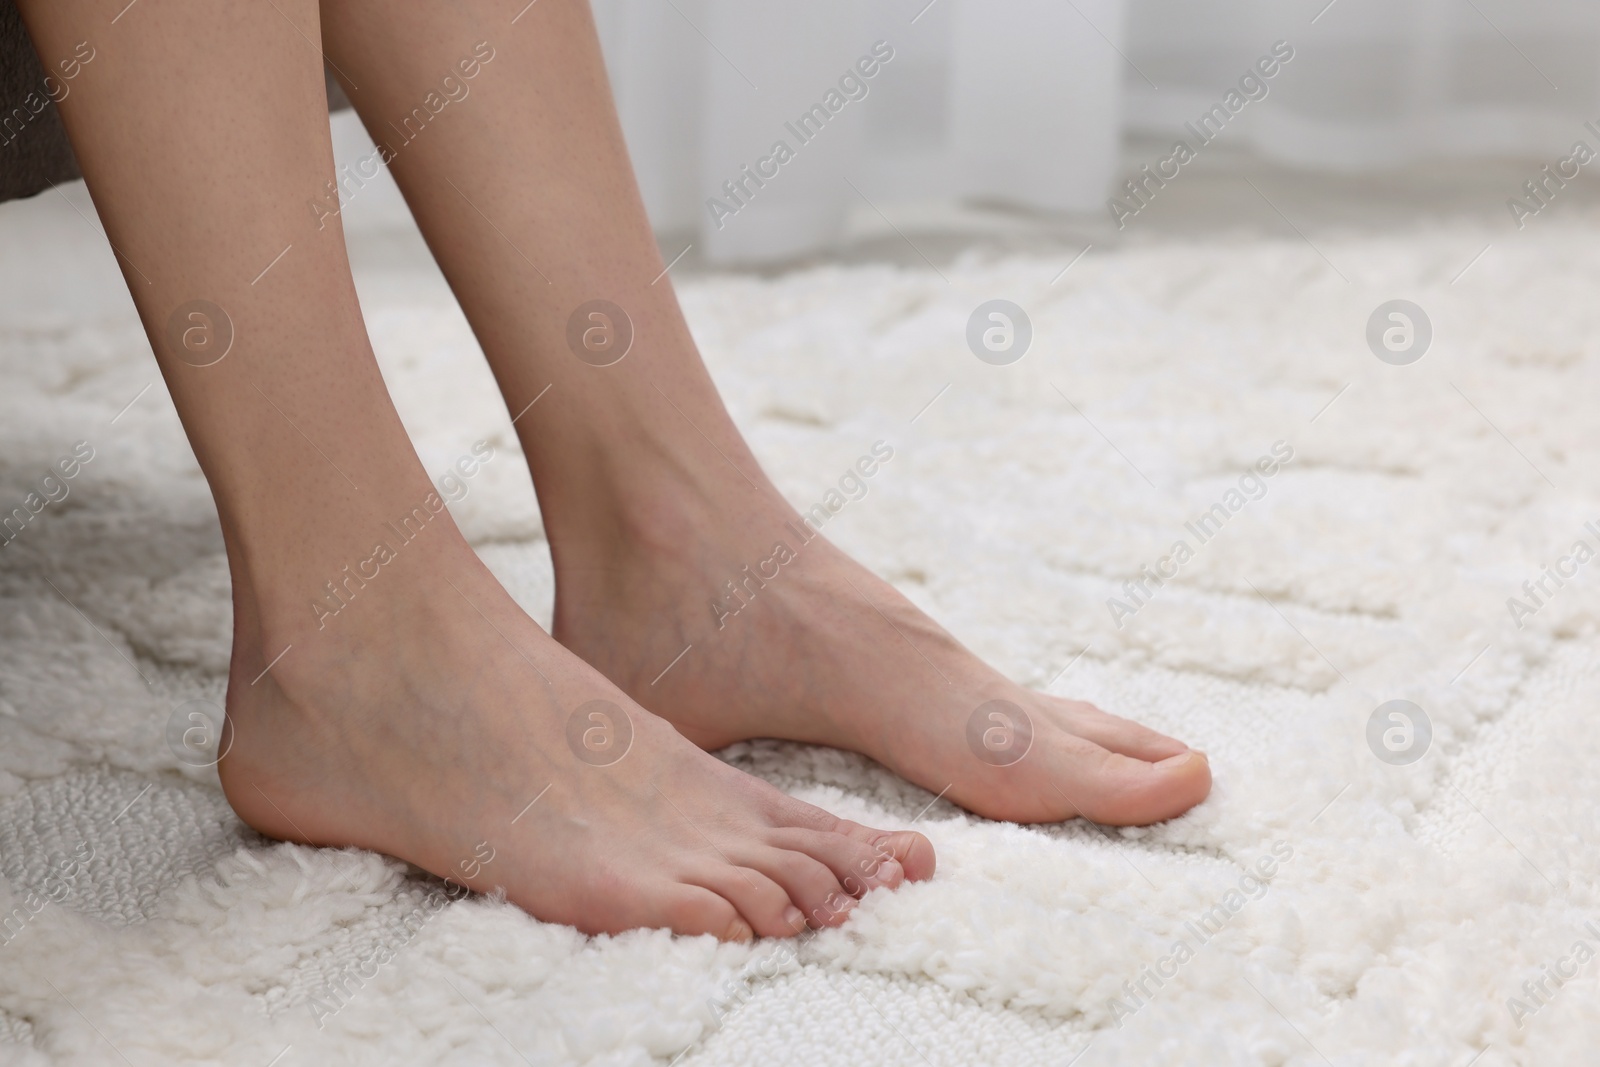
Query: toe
<point x="1117" y="790"/>
<point x="760" y="901"/>
<point x="692" y="910"/>
<point x="1116" y="734"/>
<point x="912" y="851"/>
<point x="855" y="866"/>
<point x="810" y="882"/>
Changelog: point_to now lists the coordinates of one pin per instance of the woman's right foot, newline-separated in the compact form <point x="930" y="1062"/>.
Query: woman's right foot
<point x="432" y="720"/>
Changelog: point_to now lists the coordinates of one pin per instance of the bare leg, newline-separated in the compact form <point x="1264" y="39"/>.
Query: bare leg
<point x="410" y="707"/>
<point x="651" y="498"/>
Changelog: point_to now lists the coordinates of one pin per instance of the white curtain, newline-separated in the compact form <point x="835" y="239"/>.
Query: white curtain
<point x="1014" y="100"/>
<point x="1026" y="101"/>
<point x="1375" y="83"/>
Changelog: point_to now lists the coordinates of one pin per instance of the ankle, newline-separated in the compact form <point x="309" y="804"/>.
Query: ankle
<point x="369" y="578"/>
<point x="661" y="505"/>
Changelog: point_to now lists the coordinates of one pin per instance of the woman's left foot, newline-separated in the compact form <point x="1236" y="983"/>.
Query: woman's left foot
<point x="712" y="609"/>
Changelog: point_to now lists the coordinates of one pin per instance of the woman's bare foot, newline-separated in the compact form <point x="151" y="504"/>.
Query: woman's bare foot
<point x="807" y="645"/>
<point x="431" y="719"/>
<point x="426" y="717"/>
<point x="650" y="498"/>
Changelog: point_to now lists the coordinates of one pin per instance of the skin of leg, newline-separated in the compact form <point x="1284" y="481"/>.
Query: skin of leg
<point x="652" y="500"/>
<point x="385" y="692"/>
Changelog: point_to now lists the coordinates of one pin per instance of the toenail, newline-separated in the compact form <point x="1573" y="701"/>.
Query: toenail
<point x="794" y="918"/>
<point x="889" y="873"/>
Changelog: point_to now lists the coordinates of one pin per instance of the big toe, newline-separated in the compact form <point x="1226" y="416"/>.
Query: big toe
<point x="1116" y="734"/>
<point x="911" y="850"/>
<point x="1120" y="790"/>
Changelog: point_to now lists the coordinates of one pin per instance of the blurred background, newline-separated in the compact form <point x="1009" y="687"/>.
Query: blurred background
<point x="1027" y="116"/>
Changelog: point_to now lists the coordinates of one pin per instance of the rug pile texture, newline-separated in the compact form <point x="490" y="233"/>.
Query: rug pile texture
<point x="1328" y="904"/>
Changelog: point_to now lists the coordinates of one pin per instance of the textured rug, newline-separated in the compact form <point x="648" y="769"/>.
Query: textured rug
<point x="1370" y="883"/>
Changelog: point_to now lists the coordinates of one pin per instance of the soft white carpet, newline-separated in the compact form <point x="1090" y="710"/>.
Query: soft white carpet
<point x="1413" y="902"/>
